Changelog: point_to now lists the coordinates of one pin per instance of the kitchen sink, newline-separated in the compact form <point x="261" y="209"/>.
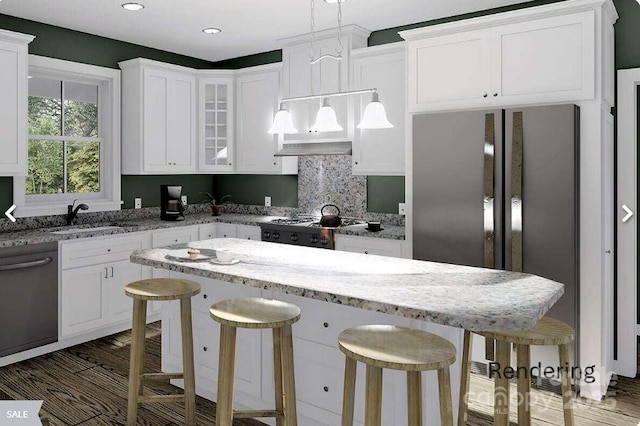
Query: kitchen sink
<point x="64" y="230"/>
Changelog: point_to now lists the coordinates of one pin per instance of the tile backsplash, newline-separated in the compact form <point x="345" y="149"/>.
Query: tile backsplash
<point x="326" y="179"/>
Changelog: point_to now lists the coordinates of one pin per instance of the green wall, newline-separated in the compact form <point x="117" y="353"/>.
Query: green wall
<point x="251" y="189"/>
<point x="148" y="188"/>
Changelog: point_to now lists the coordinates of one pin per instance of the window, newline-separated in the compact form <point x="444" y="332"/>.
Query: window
<point x="64" y="142"/>
<point x="74" y="138"/>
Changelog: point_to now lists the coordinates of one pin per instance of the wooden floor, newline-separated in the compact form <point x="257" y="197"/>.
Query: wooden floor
<point x="87" y="385"/>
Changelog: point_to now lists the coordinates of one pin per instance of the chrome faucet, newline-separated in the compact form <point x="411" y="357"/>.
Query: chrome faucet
<point x="71" y="212"/>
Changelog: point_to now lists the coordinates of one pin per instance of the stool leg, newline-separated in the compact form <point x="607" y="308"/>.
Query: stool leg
<point x="187" y="362"/>
<point x="349" y="392"/>
<point x="465" y="379"/>
<point x="501" y="391"/>
<point x="277" y="375"/>
<point x="523" y="356"/>
<point x="289" y="382"/>
<point x="136" y="363"/>
<point x="444" y="389"/>
<point x="567" y="394"/>
<point x="373" y="400"/>
<point x="414" y="397"/>
<point x="226" y="373"/>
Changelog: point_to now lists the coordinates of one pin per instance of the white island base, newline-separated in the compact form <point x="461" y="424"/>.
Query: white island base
<point x="319" y="365"/>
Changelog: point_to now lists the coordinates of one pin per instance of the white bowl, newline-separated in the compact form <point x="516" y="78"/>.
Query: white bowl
<point x="225" y="256"/>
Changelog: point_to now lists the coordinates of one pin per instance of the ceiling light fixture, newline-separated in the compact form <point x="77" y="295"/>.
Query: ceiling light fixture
<point x="282" y="122"/>
<point x="375" y="116"/>
<point x="326" y="120"/>
<point x="133" y="6"/>
<point x="211" y="30"/>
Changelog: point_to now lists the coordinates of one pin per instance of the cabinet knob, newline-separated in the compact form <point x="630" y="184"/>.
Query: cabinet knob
<point x="495" y="94"/>
<point x="274" y="163"/>
<point x="325" y="388"/>
<point x="204" y="296"/>
<point x="356" y="162"/>
<point x="485" y="95"/>
<point x="176" y="240"/>
<point x="229" y="163"/>
<point x="248" y="238"/>
<point x="108" y="250"/>
<point x="366" y="252"/>
<point x="326" y="325"/>
<point x="224" y="236"/>
<point x="205" y="348"/>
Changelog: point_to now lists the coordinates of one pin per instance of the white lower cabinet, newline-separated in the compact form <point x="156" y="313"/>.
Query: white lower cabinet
<point x="206" y="341"/>
<point x="368" y="245"/>
<point x="92" y="293"/>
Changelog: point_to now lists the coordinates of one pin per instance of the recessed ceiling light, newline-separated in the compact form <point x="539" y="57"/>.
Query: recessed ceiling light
<point x="211" y="30"/>
<point x="133" y="6"/>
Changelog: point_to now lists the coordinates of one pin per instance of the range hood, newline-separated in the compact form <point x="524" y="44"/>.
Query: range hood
<point x="314" y="148"/>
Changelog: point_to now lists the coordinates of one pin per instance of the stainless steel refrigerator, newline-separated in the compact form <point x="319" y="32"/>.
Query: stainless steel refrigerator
<point x="499" y="189"/>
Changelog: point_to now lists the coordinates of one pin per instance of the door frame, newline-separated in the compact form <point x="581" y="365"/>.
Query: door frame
<point x="626" y="249"/>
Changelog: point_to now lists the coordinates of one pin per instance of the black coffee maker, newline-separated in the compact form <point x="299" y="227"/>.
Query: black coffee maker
<point x="171" y="207"/>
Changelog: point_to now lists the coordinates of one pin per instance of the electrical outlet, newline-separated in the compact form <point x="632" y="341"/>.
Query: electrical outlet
<point x="267" y="201"/>
<point x="184" y="200"/>
<point x="137" y="203"/>
<point x="402" y="208"/>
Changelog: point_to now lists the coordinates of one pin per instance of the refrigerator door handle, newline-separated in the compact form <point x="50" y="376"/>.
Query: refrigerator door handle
<point x="489" y="167"/>
<point x="516" y="192"/>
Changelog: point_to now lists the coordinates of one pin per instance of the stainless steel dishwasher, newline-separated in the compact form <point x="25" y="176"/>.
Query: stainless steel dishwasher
<point x="28" y="297"/>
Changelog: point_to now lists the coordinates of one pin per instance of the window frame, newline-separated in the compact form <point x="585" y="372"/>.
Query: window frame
<point x="109" y="122"/>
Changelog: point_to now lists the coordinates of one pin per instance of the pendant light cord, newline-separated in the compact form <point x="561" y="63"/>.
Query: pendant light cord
<point x="339" y="48"/>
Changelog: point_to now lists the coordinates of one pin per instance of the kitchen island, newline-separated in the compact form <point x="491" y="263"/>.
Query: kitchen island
<point x="423" y="294"/>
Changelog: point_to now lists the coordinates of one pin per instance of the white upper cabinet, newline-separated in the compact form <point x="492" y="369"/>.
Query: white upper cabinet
<point x="13" y="103"/>
<point x="380" y="151"/>
<point x="521" y="57"/>
<point x="301" y="78"/>
<point x="158" y="118"/>
<point x="216" y="122"/>
<point x="257" y="98"/>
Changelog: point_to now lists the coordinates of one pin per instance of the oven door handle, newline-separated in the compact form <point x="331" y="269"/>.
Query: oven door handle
<point x="24" y="265"/>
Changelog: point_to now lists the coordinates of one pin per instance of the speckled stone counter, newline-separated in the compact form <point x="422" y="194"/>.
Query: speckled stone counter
<point x="21" y="237"/>
<point x="459" y="296"/>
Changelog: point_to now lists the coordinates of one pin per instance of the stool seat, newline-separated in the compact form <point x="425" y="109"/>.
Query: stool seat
<point x="254" y="312"/>
<point x="547" y="331"/>
<point x="399" y="348"/>
<point x="162" y="289"/>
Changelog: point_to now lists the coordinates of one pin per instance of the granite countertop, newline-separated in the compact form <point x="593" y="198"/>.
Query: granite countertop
<point x="44" y="235"/>
<point x="472" y="298"/>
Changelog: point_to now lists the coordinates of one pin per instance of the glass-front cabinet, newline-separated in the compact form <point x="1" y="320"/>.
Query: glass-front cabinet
<point x="216" y="123"/>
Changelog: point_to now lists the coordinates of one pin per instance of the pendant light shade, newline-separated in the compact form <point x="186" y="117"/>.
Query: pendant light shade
<point x="375" y="117"/>
<point x="326" y="120"/>
<point x="282" y="122"/>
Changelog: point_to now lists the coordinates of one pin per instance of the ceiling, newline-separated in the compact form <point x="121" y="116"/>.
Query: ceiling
<point x="248" y="26"/>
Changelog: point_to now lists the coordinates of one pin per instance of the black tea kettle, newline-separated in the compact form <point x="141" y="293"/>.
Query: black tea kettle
<point x="330" y="220"/>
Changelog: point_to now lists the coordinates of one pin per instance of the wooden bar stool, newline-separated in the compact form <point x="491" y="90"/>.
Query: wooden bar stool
<point x="257" y="313"/>
<point x="398" y="348"/>
<point x="161" y="289"/>
<point x="547" y="331"/>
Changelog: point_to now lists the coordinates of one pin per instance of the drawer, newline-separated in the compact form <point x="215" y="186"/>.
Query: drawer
<point x="322" y="322"/>
<point x="249" y="232"/>
<point x="167" y="237"/>
<point x="96" y="251"/>
<point x="226" y="230"/>
<point x="207" y="232"/>
<point x="213" y="291"/>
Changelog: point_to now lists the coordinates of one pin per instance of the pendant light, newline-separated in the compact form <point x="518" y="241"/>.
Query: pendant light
<point x="282" y="122"/>
<point x="326" y="120"/>
<point x="375" y="117"/>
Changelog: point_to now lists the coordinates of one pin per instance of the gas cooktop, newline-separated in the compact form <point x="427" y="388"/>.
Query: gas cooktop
<point x="303" y="231"/>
